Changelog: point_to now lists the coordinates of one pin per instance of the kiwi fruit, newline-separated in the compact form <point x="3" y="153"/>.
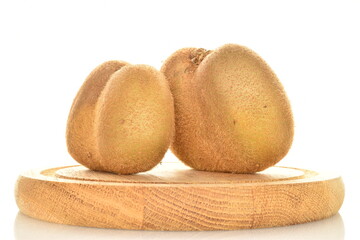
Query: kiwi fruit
<point x="231" y="111"/>
<point x="122" y="119"/>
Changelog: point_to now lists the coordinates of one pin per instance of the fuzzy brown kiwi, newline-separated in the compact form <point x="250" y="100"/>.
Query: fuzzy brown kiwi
<point x="122" y="119"/>
<point x="231" y="111"/>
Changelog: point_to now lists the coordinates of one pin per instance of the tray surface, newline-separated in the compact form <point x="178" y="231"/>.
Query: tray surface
<point x="175" y="197"/>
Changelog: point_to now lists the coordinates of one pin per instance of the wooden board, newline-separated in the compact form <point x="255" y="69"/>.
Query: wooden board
<point x="175" y="197"/>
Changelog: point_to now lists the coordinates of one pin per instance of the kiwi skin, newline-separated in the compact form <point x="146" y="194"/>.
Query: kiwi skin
<point x="122" y="119"/>
<point x="135" y="120"/>
<point x="231" y="111"/>
<point x="80" y="138"/>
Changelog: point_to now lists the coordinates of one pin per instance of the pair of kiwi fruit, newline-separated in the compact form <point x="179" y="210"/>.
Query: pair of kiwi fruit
<point x="222" y="110"/>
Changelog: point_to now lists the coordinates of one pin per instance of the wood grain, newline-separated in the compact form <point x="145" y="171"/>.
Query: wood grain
<point x="174" y="197"/>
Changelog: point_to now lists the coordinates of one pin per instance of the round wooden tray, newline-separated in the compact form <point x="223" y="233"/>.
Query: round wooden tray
<point x="175" y="197"/>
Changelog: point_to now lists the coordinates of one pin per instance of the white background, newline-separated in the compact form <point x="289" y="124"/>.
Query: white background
<point x="47" y="48"/>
